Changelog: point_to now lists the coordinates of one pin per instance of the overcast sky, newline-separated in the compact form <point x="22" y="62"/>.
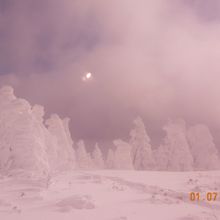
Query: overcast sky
<point x="157" y="59"/>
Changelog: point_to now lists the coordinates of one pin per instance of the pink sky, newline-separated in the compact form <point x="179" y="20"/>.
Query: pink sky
<point x="157" y="59"/>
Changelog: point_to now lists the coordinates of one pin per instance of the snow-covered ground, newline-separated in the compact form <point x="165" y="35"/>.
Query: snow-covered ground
<point x="111" y="195"/>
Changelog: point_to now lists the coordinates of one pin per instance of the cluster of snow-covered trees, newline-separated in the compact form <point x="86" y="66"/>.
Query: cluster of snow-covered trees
<point x="40" y="147"/>
<point x="30" y="143"/>
<point x="183" y="149"/>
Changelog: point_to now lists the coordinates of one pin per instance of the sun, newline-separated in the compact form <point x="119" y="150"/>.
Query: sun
<point x="87" y="76"/>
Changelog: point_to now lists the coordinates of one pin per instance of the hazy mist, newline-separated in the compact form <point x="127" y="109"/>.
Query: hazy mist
<point x="157" y="59"/>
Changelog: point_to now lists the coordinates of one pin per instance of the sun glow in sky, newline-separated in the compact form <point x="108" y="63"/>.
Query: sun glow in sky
<point x="148" y="58"/>
<point x="87" y="76"/>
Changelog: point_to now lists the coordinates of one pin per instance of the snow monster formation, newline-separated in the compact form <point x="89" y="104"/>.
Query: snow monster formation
<point x="27" y="144"/>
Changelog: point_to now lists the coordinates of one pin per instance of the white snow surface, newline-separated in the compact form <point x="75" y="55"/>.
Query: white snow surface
<point x="110" y="195"/>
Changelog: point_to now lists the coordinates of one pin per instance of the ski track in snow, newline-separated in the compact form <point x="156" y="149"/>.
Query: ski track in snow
<point x="110" y="195"/>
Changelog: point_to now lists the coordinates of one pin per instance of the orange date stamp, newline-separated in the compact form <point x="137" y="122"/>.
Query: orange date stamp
<point x="197" y="196"/>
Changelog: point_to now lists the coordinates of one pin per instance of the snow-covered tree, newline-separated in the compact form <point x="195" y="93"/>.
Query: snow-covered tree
<point x="142" y="155"/>
<point x="97" y="158"/>
<point x="83" y="158"/>
<point x="175" y="153"/>
<point x="38" y="112"/>
<point x="59" y="129"/>
<point x="203" y="149"/>
<point x="66" y="122"/>
<point x="110" y="161"/>
<point x="122" y="158"/>
<point x="22" y="145"/>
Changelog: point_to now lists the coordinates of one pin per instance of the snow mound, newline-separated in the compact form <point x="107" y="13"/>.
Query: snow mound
<point x="75" y="202"/>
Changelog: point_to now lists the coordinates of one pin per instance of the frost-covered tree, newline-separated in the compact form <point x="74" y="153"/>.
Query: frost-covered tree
<point x="175" y="153"/>
<point x="22" y="143"/>
<point x="83" y="158"/>
<point x="203" y="149"/>
<point x="122" y="157"/>
<point x="66" y="128"/>
<point x="97" y="158"/>
<point x="60" y="131"/>
<point x="110" y="161"/>
<point x="142" y="155"/>
<point x="38" y="112"/>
